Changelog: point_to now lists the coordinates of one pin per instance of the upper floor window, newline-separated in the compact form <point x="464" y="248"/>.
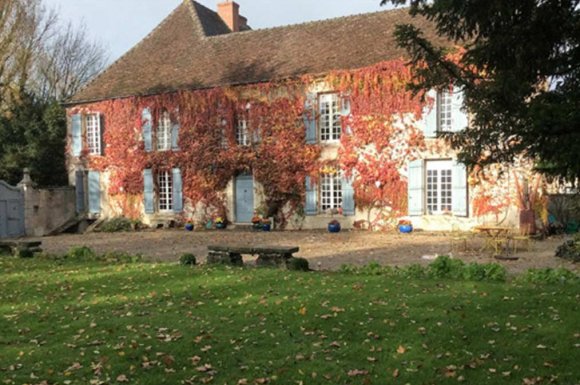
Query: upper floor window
<point x="164" y="132"/>
<point x="242" y="127"/>
<point x="93" y="133"/>
<point x="444" y="112"/>
<point x="329" y="122"/>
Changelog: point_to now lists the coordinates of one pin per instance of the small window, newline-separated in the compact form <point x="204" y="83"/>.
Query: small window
<point x="224" y="134"/>
<point x="444" y="114"/>
<point x="164" y="132"/>
<point x="93" y="131"/>
<point x="330" y="191"/>
<point x="329" y="117"/>
<point x="165" y="184"/>
<point x="242" y="128"/>
<point x="439" y="187"/>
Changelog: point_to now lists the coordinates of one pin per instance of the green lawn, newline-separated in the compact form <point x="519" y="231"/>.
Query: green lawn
<point x="91" y="323"/>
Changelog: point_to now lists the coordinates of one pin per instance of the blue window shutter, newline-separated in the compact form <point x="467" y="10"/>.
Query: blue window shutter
<point x="429" y="121"/>
<point x="77" y="137"/>
<point x="310" y="118"/>
<point x="80" y="190"/>
<point x="102" y="132"/>
<point x="177" y="190"/>
<point x="459" y="118"/>
<point x="416" y="188"/>
<point x="147" y="121"/>
<point x="311" y="198"/>
<point x="347" y="196"/>
<point x="459" y="191"/>
<point x="175" y="132"/>
<point x="94" y="192"/>
<point x="345" y="112"/>
<point x="148" y="191"/>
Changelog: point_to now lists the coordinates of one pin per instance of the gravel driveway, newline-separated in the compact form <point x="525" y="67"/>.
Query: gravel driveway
<point x="323" y="250"/>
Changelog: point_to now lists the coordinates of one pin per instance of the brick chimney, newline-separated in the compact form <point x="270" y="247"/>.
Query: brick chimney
<point x="229" y="11"/>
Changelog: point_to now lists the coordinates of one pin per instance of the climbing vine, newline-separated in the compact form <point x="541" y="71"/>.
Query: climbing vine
<point x="380" y="136"/>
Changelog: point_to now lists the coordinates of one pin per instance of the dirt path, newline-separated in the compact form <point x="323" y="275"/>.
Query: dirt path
<point x="323" y="250"/>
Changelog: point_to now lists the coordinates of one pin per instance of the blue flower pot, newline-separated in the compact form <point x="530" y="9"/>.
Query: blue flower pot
<point x="220" y="226"/>
<point x="405" y="228"/>
<point x="266" y="227"/>
<point x="189" y="226"/>
<point x="334" y="227"/>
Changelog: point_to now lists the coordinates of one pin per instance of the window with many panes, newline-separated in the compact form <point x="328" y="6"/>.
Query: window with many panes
<point x="444" y="108"/>
<point x="439" y="187"/>
<point x="330" y="191"/>
<point x="329" y="117"/>
<point x="242" y="127"/>
<point x="164" y="132"/>
<point x="165" y="185"/>
<point x="93" y="131"/>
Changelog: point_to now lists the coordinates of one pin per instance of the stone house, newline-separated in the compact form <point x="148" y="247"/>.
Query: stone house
<point x="306" y="123"/>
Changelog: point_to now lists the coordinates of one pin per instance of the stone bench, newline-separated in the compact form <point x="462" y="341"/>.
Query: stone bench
<point x="15" y="247"/>
<point x="276" y="256"/>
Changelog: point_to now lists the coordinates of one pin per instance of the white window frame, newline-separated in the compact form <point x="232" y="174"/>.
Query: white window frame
<point x="438" y="187"/>
<point x="329" y="119"/>
<point x="445" y="111"/>
<point x="93" y="133"/>
<point x="165" y="191"/>
<point x="330" y="191"/>
<point x="164" y="128"/>
<point x="242" y="128"/>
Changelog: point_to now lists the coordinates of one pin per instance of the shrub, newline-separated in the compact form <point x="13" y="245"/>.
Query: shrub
<point x="550" y="276"/>
<point x="23" y="252"/>
<point x="373" y="268"/>
<point x="188" y="259"/>
<point x="414" y="271"/>
<point x="298" y="264"/>
<point x="446" y="267"/>
<point x="82" y="253"/>
<point x="484" y="272"/>
<point x="570" y="250"/>
<point x="116" y="225"/>
<point x="120" y="257"/>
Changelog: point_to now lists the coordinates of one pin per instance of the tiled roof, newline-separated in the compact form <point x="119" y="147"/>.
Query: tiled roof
<point x="194" y="49"/>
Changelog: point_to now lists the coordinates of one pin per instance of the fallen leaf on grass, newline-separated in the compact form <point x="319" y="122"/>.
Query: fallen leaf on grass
<point x="401" y="349"/>
<point x="122" y="378"/>
<point x="357" y="372"/>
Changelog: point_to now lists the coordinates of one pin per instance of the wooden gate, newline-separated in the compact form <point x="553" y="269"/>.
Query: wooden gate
<point x="11" y="211"/>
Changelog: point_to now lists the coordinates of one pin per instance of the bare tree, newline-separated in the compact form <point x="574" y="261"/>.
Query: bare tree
<point x="68" y="61"/>
<point x="24" y="26"/>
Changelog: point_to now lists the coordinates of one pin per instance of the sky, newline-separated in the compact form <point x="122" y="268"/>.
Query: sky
<point x="120" y="24"/>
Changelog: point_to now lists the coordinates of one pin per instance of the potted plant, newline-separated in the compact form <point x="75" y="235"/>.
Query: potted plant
<point x="220" y="223"/>
<point x="189" y="225"/>
<point x="405" y="226"/>
<point x="266" y="224"/>
<point x="334" y="226"/>
<point x="256" y="222"/>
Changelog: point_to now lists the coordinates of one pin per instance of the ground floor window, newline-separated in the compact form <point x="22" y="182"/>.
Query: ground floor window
<point x="330" y="192"/>
<point x="439" y="187"/>
<point x="165" y="191"/>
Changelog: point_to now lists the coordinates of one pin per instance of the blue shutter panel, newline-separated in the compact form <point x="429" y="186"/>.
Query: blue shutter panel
<point x="80" y="190"/>
<point x="347" y="196"/>
<point x="416" y="188"/>
<point x="429" y="121"/>
<point x="94" y="192"/>
<point x="310" y="118"/>
<point x="345" y="112"/>
<point x="177" y="190"/>
<point x="147" y="121"/>
<point x="101" y="133"/>
<point x="459" y="118"/>
<point x="459" y="191"/>
<point x="148" y="191"/>
<point x="76" y="130"/>
<point x="175" y="132"/>
<point x="311" y="198"/>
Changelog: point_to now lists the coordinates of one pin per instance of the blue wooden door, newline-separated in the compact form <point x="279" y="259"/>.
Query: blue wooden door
<point x="244" y="198"/>
<point x="11" y="211"/>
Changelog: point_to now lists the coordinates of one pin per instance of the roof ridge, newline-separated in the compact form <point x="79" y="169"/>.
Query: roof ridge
<point x="312" y="22"/>
<point x="123" y="56"/>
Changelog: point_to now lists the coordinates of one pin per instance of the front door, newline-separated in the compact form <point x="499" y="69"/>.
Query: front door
<point x="244" y="198"/>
